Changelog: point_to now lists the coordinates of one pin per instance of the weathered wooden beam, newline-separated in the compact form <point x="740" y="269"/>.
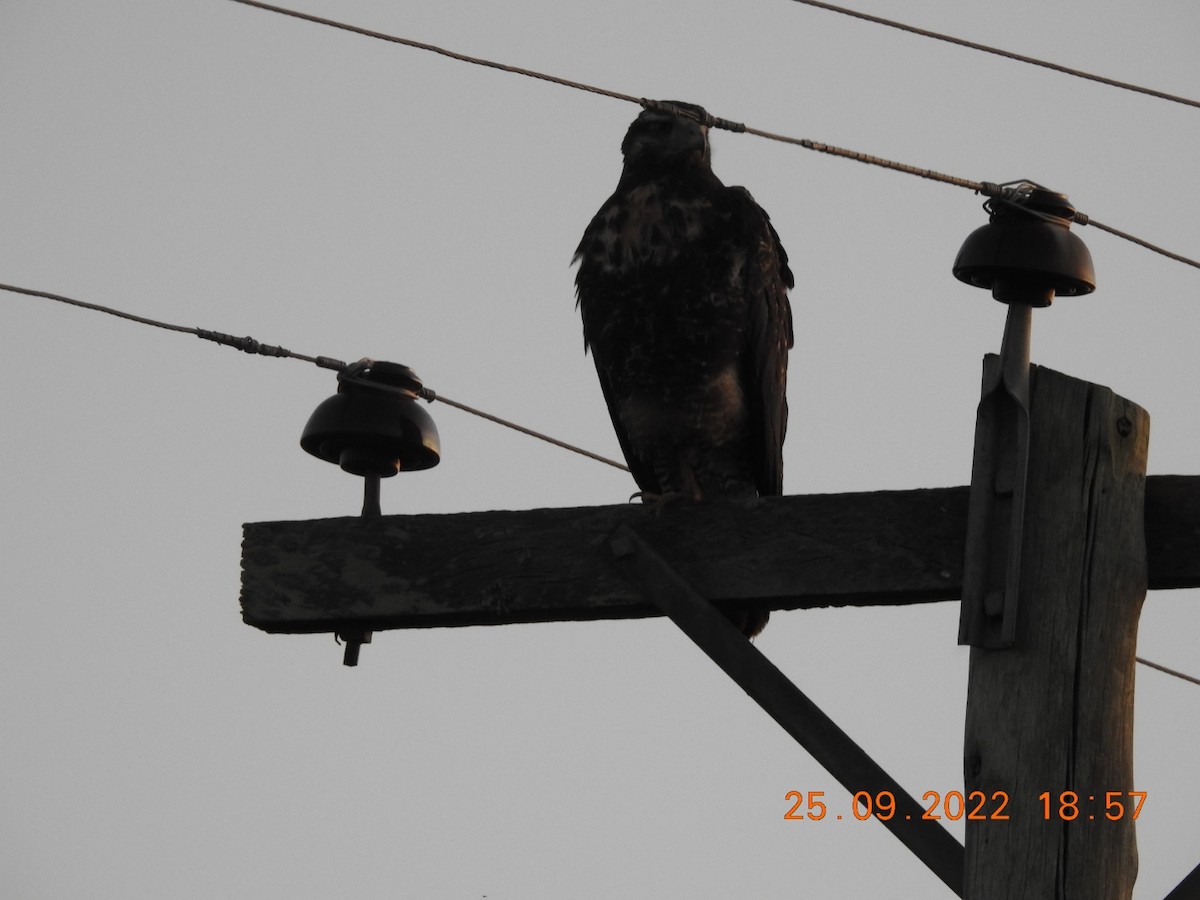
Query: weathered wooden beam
<point x="1173" y="531"/>
<point x="1049" y="726"/>
<point x="552" y="564"/>
<point x="875" y="548"/>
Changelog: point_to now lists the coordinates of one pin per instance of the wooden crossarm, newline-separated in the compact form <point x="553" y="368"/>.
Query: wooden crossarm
<point x="498" y="567"/>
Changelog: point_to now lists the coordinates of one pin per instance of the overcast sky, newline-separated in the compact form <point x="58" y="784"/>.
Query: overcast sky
<point x="214" y="165"/>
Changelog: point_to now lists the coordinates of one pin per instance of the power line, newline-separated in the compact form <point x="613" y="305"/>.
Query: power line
<point x="245" y="344"/>
<point x="1154" y="665"/>
<point x="1187" y="261"/>
<point x="250" y="345"/>
<point x="983" y="187"/>
<point x="431" y="395"/>
<point x="1007" y="54"/>
<point x="442" y="51"/>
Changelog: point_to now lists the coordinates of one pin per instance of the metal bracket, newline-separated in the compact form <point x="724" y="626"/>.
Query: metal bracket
<point x="785" y="703"/>
<point x="353" y="641"/>
<point x="996" y="515"/>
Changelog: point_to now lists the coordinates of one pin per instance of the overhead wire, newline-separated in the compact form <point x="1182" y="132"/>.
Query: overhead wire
<point x="1007" y="54"/>
<point x="250" y="345"/>
<point x="431" y="395"/>
<point x="441" y="51"/>
<point x="982" y="187"/>
<point x="1176" y="673"/>
<point x="245" y="344"/>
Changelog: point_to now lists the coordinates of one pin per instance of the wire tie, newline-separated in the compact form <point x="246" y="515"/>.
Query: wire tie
<point x="705" y="118"/>
<point x="245" y="344"/>
<point x="729" y="125"/>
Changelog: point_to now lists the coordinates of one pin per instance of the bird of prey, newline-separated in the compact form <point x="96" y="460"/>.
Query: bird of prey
<point x="682" y="286"/>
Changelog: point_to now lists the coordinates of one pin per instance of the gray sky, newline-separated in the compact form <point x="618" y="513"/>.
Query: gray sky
<point x="213" y="165"/>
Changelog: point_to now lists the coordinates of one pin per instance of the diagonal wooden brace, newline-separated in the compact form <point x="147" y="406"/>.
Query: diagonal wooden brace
<point x="785" y="703"/>
<point x="1188" y="889"/>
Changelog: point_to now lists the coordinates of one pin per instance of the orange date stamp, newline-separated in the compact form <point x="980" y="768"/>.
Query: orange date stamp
<point x="975" y="806"/>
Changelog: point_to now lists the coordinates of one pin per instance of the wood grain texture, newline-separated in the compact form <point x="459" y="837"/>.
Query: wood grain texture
<point x="1055" y="712"/>
<point x="875" y="548"/>
<point x="551" y="564"/>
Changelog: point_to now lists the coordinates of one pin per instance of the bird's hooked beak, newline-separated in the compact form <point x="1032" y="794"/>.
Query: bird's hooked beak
<point x="659" y="136"/>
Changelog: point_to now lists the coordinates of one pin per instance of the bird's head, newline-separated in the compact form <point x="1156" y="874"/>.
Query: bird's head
<point x="659" y="139"/>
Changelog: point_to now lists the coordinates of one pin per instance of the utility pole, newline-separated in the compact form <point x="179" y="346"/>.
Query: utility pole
<point x="1049" y="729"/>
<point x="354" y="575"/>
<point x="1050" y="550"/>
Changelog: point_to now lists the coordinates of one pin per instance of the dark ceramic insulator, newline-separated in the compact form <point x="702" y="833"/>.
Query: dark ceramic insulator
<point x="374" y="425"/>
<point x="1027" y="253"/>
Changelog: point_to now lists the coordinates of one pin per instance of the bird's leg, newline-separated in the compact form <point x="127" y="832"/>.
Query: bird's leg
<point x="689" y="489"/>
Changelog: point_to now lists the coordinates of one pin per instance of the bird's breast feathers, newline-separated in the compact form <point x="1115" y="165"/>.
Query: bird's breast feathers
<point x="711" y="408"/>
<point x="645" y="226"/>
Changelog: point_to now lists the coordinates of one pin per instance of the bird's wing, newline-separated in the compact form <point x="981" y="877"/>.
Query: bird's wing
<point x="599" y="302"/>
<point x="642" y="470"/>
<point x="768" y="339"/>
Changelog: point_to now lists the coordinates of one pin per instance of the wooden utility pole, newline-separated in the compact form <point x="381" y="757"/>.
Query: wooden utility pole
<point x="1049" y="730"/>
<point x="1050" y="550"/>
<point x="1049" y="715"/>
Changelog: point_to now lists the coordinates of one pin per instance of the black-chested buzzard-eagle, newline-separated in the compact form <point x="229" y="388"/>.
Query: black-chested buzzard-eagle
<point x="682" y="285"/>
